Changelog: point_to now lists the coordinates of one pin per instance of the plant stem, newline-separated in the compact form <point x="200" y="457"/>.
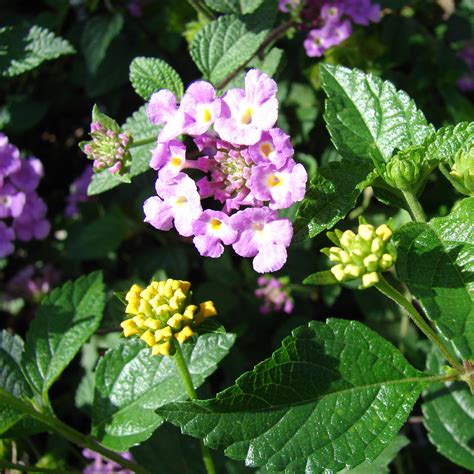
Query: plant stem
<point x="414" y="206"/>
<point x="143" y="141"/>
<point x="202" y="9"/>
<point x="68" y="432"/>
<point x="20" y="467"/>
<point x="390" y="292"/>
<point x="188" y="385"/>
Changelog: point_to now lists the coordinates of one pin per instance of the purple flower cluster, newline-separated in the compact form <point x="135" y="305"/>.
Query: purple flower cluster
<point x="248" y="168"/>
<point x="22" y="212"/>
<point x="33" y="283"/>
<point x="108" y="148"/>
<point x="275" y="293"/>
<point x="101" y="465"/>
<point x="330" y="21"/>
<point x="78" y="192"/>
<point x="466" y="82"/>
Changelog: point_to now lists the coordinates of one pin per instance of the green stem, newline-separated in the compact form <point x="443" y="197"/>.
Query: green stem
<point x="202" y="9"/>
<point x="20" y="467"/>
<point x="188" y="385"/>
<point x="414" y="206"/>
<point x="390" y="292"/>
<point x="68" y="432"/>
<point x="143" y="141"/>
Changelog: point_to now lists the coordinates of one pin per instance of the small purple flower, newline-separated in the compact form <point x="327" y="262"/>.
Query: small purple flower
<point x="33" y="283"/>
<point x="178" y="201"/>
<point x="6" y="240"/>
<point x="332" y="12"/>
<point x="200" y="107"/>
<point x="101" y="465"/>
<point x="9" y="158"/>
<point x="247" y="113"/>
<point x="274" y="147"/>
<point x="286" y="5"/>
<point x="281" y="187"/>
<point x="78" y="192"/>
<point x="275" y="293"/>
<point x="210" y="229"/>
<point x="32" y="222"/>
<point x="262" y="235"/>
<point x="168" y="158"/>
<point x="362" y="12"/>
<point x="162" y="109"/>
<point x="12" y="201"/>
<point x="28" y="176"/>
<point x="331" y="34"/>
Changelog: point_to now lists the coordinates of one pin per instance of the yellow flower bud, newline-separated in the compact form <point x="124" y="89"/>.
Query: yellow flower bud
<point x="139" y="320"/>
<point x="134" y="292"/>
<point x="129" y="327"/>
<point x="386" y="261"/>
<point x="153" y="323"/>
<point x="132" y="306"/>
<point x="338" y="272"/>
<point x="366" y="231"/>
<point x="188" y="314"/>
<point x="175" y="321"/>
<point x="377" y="245"/>
<point x="184" y="334"/>
<point x="148" y="337"/>
<point x="145" y="308"/>
<point x="384" y="232"/>
<point x="370" y="279"/>
<point x="370" y="262"/>
<point x="347" y="238"/>
<point x="352" y="270"/>
<point x="162" y="349"/>
<point x="164" y="333"/>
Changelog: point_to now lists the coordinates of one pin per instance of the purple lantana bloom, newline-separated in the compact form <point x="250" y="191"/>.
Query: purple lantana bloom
<point x="179" y="201"/>
<point x="12" y="201"/>
<point x="101" y="465"/>
<point x="162" y="109"/>
<point x="274" y="147"/>
<point x="275" y="293"/>
<point x="263" y="235"/>
<point x="281" y="187"/>
<point x="9" y="158"/>
<point x="362" y="12"/>
<point x="247" y="113"/>
<point x="28" y="176"/>
<point x="6" y="240"/>
<point x="168" y="158"/>
<point x="211" y="229"/>
<point x="200" y="107"/>
<point x="32" y="222"/>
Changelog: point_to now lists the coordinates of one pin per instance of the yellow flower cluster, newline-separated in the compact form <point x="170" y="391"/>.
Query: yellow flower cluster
<point x="160" y="313"/>
<point x="362" y="255"/>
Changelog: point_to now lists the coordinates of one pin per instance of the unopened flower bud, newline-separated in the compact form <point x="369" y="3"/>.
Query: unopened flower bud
<point x="404" y="169"/>
<point x="362" y="255"/>
<point x="461" y="175"/>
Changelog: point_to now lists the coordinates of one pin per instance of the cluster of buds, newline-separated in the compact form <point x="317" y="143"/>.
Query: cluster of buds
<point x="363" y="255"/>
<point x="404" y="170"/>
<point x="108" y="148"/>
<point x="461" y="174"/>
<point x="275" y="293"/>
<point x="160" y="313"/>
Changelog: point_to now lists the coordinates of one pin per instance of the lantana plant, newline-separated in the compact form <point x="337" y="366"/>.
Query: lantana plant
<point x="171" y="352"/>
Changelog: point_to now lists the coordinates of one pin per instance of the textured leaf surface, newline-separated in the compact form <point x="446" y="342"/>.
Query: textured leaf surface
<point x="140" y="128"/>
<point x="331" y="194"/>
<point x="148" y="75"/>
<point x="367" y="117"/>
<point x="445" y="142"/>
<point x="131" y="384"/>
<point x="449" y="416"/>
<point x="228" y="42"/>
<point x="67" y="317"/>
<point x="23" y="49"/>
<point x="99" y="32"/>
<point x="11" y="377"/>
<point x="332" y="396"/>
<point x="436" y="261"/>
<point x="234" y="6"/>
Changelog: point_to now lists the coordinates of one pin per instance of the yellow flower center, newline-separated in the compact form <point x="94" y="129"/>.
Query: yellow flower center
<point x="274" y="180"/>
<point x="247" y="117"/>
<point x="181" y="201"/>
<point x="215" y="224"/>
<point x="266" y="149"/>
<point x="206" y="115"/>
<point x="175" y="161"/>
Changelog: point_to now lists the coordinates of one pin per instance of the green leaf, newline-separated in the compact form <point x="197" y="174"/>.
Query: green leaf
<point x="449" y="416"/>
<point x="442" y="145"/>
<point x="67" y="317"/>
<point x="104" y="120"/>
<point x="98" y="238"/>
<point x="380" y="464"/>
<point x="331" y="194"/>
<point x="131" y="384"/>
<point x="234" y="6"/>
<point x="333" y="396"/>
<point x="11" y="377"/>
<point x="227" y="43"/>
<point x="140" y="128"/>
<point x="436" y="261"/>
<point x="25" y="48"/>
<point x="367" y="117"/>
<point x="148" y="75"/>
<point x="98" y="33"/>
<point x="321" y="278"/>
